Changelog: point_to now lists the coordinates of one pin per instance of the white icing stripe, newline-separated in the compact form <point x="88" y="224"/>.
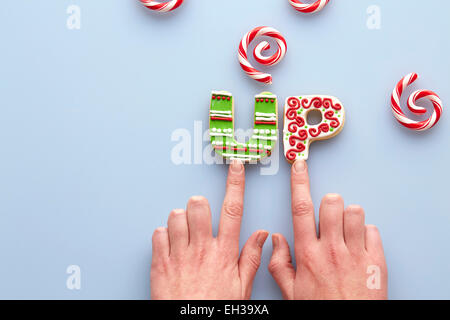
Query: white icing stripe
<point x="243" y="159"/>
<point x="221" y="143"/>
<point x="262" y="114"/>
<point x="266" y="119"/>
<point x="219" y="115"/>
<point x="232" y="144"/>
<point x="264" y="138"/>
<point x="265" y="131"/>
<point x="266" y="96"/>
<point x="240" y="156"/>
<point x="222" y="93"/>
<point x="220" y="111"/>
<point x="229" y="130"/>
<point x="216" y="134"/>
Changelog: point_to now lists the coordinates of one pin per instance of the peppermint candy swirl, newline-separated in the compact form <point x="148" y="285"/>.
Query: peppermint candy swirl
<point x="162" y="6"/>
<point x="257" y="53"/>
<point x="413" y="98"/>
<point x="309" y="8"/>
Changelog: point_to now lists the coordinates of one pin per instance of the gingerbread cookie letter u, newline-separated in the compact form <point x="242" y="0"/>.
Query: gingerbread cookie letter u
<point x="298" y="134"/>
<point x="264" y="135"/>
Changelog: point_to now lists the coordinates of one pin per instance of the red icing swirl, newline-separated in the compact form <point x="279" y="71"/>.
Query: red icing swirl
<point x="315" y="132"/>
<point x="294" y="105"/>
<point x="328" y="103"/>
<point x="324" y="127"/>
<point x="318" y="102"/>
<point x="329" y="115"/>
<point x="291" y="154"/>
<point x="292" y="114"/>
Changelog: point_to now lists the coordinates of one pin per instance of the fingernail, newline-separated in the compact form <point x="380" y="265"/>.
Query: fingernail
<point x="261" y="238"/>
<point x="177" y="212"/>
<point x="300" y="165"/>
<point x="236" y="166"/>
<point x="275" y="241"/>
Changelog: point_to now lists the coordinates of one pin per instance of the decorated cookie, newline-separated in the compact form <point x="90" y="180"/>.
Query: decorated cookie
<point x="298" y="134"/>
<point x="265" y="131"/>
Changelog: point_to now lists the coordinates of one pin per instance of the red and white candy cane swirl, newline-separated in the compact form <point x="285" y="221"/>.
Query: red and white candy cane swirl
<point x="309" y="8"/>
<point x="417" y="95"/>
<point x="162" y="6"/>
<point x="257" y="53"/>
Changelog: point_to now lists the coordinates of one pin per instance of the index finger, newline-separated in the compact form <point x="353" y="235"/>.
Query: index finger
<point x="233" y="204"/>
<point x="302" y="206"/>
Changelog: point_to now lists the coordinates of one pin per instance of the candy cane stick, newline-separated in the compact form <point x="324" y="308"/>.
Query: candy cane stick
<point x="257" y="53"/>
<point x="309" y="8"/>
<point x="413" y="98"/>
<point x="162" y="6"/>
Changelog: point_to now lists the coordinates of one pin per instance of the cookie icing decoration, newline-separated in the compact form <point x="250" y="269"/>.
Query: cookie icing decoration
<point x="259" y="49"/>
<point x="162" y="6"/>
<point x="265" y="130"/>
<point x="298" y="134"/>
<point x="413" y="98"/>
<point x="308" y="8"/>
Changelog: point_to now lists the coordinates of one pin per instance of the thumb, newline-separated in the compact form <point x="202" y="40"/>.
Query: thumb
<point x="280" y="266"/>
<point x="250" y="260"/>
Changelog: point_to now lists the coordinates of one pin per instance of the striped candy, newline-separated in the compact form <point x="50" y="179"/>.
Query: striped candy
<point x="309" y="8"/>
<point x="162" y="6"/>
<point x="413" y="98"/>
<point x="257" y="53"/>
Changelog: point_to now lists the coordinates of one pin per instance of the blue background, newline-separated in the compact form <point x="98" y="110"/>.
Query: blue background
<point x="87" y="115"/>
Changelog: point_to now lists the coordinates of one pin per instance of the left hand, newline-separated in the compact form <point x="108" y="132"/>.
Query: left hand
<point x="188" y="263"/>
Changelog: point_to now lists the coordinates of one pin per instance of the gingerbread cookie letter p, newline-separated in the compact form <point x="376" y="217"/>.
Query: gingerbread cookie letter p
<point x="264" y="135"/>
<point x="298" y="134"/>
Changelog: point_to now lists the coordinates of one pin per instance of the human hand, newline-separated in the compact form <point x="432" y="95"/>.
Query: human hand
<point x="336" y="264"/>
<point x="188" y="263"/>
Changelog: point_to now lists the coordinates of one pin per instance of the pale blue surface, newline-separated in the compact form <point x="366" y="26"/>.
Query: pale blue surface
<point x="81" y="184"/>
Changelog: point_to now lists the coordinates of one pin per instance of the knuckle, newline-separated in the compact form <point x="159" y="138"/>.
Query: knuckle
<point x="201" y="255"/>
<point x="274" y="266"/>
<point x="159" y="266"/>
<point x="307" y="257"/>
<point x="254" y="261"/>
<point x="302" y="207"/>
<point x="158" y="269"/>
<point x="225" y="250"/>
<point x="333" y="254"/>
<point x="300" y="178"/>
<point x="233" y="209"/>
<point x="235" y="181"/>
